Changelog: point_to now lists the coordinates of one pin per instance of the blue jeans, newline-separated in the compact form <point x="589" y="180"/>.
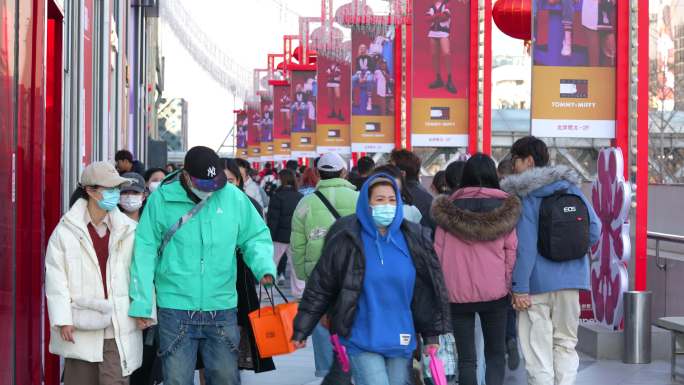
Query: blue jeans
<point x="215" y="334"/>
<point x="374" y="369"/>
<point x="323" y="351"/>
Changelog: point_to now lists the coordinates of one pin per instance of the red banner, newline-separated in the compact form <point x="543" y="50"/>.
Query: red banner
<point x="266" y="128"/>
<point x="441" y="44"/>
<point x="303" y="113"/>
<point x="372" y="128"/>
<point x="334" y="105"/>
<point x="242" y="125"/>
<point x="254" y="119"/>
<point x="281" y="121"/>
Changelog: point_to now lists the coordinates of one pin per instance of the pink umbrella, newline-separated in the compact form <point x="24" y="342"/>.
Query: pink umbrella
<point x="436" y="368"/>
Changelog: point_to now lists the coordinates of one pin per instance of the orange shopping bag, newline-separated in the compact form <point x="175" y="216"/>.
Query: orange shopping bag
<point x="273" y="326"/>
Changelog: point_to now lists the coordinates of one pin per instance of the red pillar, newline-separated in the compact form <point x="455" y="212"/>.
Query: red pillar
<point x="397" y="86"/>
<point x="640" y="252"/>
<point x="409" y="70"/>
<point x="622" y="84"/>
<point x="487" y="80"/>
<point x="473" y="77"/>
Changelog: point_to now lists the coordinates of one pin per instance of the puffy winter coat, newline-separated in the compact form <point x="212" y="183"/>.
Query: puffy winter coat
<point x="280" y="211"/>
<point x="336" y="283"/>
<point x="533" y="273"/>
<point x="312" y="220"/>
<point x="476" y="242"/>
<point x="72" y="271"/>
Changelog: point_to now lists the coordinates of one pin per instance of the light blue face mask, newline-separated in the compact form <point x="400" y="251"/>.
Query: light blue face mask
<point x="202" y="195"/>
<point x="110" y="198"/>
<point x="383" y="215"/>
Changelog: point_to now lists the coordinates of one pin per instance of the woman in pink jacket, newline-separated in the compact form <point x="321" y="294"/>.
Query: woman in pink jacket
<point x="476" y="244"/>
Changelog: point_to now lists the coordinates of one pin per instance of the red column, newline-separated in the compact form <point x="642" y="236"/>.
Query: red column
<point x="487" y="80"/>
<point x="622" y="84"/>
<point x="640" y="266"/>
<point x="397" y="86"/>
<point x="409" y="70"/>
<point x="474" y="69"/>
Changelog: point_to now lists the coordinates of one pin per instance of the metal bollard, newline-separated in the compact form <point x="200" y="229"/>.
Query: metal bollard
<point x="637" y="333"/>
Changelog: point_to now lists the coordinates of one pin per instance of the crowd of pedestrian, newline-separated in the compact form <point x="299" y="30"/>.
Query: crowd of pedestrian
<point x="151" y="274"/>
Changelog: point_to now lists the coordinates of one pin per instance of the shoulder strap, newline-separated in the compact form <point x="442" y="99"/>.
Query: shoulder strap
<point x="327" y="204"/>
<point x="174" y="228"/>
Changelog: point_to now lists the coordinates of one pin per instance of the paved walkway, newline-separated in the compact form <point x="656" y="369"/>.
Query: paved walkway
<point x="297" y="369"/>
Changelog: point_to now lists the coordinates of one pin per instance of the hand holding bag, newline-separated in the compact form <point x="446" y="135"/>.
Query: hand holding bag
<point x="273" y="326"/>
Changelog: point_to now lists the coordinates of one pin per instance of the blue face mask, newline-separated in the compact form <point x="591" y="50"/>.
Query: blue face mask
<point x="383" y="215"/>
<point x="202" y="195"/>
<point x="110" y="198"/>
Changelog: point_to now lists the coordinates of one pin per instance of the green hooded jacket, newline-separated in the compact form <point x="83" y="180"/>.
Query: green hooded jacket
<point x="197" y="270"/>
<point x="312" y="220"/>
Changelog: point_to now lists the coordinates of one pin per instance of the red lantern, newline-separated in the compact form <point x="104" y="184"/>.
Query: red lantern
<point x="297" y="55"/>
<point x="514" y="18"/>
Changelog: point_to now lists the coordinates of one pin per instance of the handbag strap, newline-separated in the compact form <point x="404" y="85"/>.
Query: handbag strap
<point x="174" y="228"/>
<point x="327" y="204"/>
<point x="270" y="296"/>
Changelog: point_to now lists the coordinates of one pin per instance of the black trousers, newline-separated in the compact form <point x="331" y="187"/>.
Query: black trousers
<point x="493" y="320"/>
<point x="336" y="376"/>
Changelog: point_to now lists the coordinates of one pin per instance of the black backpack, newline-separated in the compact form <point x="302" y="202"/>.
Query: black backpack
<point x="563" y="227"/>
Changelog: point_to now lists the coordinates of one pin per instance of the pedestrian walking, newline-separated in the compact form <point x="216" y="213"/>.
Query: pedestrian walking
<point x="185" y="255"/>
<point x="334" y="198"/>
<point x="365" y="166"/>
<point x="153" y="178"/>
<point x="87" y="266"/>
<point x="546" y="288"/>
<point x="409" y="163"/>
<point x="504" y="169"/>
<point x="252" y="188"/>
<point x="476" y="244"/>
<point x="279" y="219"/>
<point x="309" y="181"/>
<point x="411" y="212"/>
<point x="379" y="281"/>
<point x="132" y="196"/>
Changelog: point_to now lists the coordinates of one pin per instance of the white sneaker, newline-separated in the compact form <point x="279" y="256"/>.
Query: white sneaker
<point x="567" y="48"/>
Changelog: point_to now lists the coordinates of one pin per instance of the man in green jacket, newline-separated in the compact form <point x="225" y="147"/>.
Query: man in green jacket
<point x="310" y="224"/>
<point x="193" y="278"/>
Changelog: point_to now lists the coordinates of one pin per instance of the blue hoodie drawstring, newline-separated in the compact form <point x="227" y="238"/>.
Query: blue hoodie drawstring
<point x="377" y="246"/>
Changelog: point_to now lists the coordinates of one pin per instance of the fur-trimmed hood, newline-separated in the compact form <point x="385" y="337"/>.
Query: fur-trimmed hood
<point x="479" y="226"/>
<point x="539" y="177"/>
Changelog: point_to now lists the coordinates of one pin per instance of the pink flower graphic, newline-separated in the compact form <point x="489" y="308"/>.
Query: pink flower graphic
<point x="611" y="197"/>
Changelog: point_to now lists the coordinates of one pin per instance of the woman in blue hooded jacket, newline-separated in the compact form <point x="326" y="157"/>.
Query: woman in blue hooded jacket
<point x="380" y="283"/>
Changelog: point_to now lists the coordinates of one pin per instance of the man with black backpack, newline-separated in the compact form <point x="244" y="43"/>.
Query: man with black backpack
<point x="556" y="229"/>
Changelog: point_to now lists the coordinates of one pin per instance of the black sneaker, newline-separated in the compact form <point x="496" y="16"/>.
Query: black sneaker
<point x="332" y="115"/>
<point x="340" y="116"/>
<point x="450" y="86"/>
<point x="513" y="355"/>
<point x="438" y="83"/>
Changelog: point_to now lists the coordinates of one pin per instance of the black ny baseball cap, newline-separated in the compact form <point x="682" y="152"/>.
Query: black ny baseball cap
<point x="205" y="169"/>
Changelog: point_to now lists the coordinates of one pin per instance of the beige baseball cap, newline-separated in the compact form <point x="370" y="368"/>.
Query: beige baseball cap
<point x="102" y="174"/>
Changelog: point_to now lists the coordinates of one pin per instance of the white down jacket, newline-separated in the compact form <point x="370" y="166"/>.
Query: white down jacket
<point x="72" y="272"/>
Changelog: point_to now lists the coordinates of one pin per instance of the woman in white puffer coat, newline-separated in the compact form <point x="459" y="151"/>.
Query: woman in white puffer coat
<point x="86" y="282"/>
